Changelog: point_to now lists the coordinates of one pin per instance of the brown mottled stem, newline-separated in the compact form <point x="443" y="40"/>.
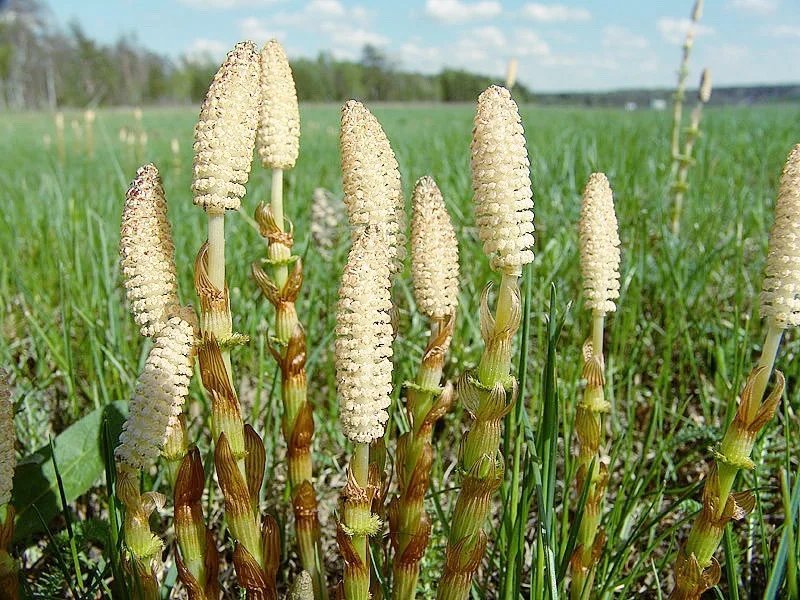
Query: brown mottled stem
<point x="409" y="523"/>
<point x="289" y="351"/>
<point x="198" y="560"/>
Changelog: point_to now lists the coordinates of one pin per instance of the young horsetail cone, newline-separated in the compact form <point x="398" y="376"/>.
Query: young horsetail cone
<point x="504" y="215"/>
<point x="9" y="579"/>
<point x="696" y="569"/>
<point x="434" y="273"/>
<point x="373" y="193"/>
<point x="147" y="252"/>
<point x="160" y="392"/>
<point x="364" y="384"/>
<point x="599" y="260"/>
<point x="278" y="137"/>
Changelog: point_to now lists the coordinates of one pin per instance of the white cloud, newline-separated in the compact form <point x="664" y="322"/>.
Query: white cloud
<point x="326" y="8"/>
<point x="761" y="7"/>
<point x="553" y="13"/>
<point x="456" y="11"/>
<point x="784" y="31"/>
<point x="258" y="30"/>
<point x="226" y="4"/>
<point x="674" y="30"/>
<point x="419" y="58"/>
<point x="528" y="43"/>
<point x="619" y="38"/>
<point x="203" y="50"/>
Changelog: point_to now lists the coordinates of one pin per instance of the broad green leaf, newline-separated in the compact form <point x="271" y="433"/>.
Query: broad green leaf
<point x="79" y="454"/>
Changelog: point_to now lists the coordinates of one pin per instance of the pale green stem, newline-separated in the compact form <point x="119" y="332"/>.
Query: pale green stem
<point x="276" y="204"/>
<point x="727" y="474"/>
<point x="598" y="319"/>
<point x="360" y="466"/>
<point x="216" y="267"/>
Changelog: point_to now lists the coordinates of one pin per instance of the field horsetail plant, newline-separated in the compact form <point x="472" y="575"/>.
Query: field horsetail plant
<point x="434" y="272"/>
<point x="277" y="144"/>
<point x="504" y="215"/>
<point x="364" y="332"/>
<point x="224" y="144"/>
<point x="599" y="258"/>
<point x="364" y="386"/>
<point x="696" y="569"/>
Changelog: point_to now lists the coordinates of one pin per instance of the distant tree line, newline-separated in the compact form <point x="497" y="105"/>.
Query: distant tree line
<point x="44" y="66"/>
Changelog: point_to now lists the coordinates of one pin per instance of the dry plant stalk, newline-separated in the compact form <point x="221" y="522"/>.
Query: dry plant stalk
<point x="61" y="147"/>
<point x="680" y="90"/>
<point x="89" y="118"/>
<point x="504" y="214"/>
<point x="686" y="159"/>
<point x="696" y="569"/>
<point x="277" y="144"/>
<point x="364" y="386"/>
<point x="9" y="570"/>
<point x="600" y="257"/>
<point x="434" y="269"/>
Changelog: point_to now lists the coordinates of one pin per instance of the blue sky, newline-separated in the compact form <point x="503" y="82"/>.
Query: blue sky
<point x="565" y="45"/>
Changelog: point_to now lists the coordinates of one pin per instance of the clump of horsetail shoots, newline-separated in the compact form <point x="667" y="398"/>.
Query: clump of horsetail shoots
<point x="685" y="160"/>
<point x="154" y="412"/>
<point x="680" y="90"/>
<point x="224" y="138"/>
<point x="696" y="569"/>
<point x="373" y="193"/>
<point x="277" y="144"/>
<point x="198" y="560"/>
<point x="434" y="271"/>
<point x="600" y="256"/>
<point x="9" y="578"/>
<point x="326" y="213"/>
<point x="504" y="213"/>
<point x="364" y="385"/>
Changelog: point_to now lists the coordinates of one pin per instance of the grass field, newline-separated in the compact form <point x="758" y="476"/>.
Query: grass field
<point x="684" y="336"/>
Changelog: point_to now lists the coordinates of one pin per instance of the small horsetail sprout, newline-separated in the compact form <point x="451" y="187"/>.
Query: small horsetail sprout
<point x="89" y="118"/>
<point x="9" y="578"/>
<point x="511" y="73"/>
<point x="696" y="569"/>
<point x="434" y="272"/>
<point x="147" y="252"/>
<point x="504" y="214"/>
<point x="373" y="193"/>
<point x="364" y="384"/>
<point x="600" y="257"/>
<point x="278" y="146"/>
<point x="302" y="588"/>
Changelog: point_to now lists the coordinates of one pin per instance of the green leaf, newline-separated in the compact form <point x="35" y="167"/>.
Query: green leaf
<point x="80" y="456"/>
